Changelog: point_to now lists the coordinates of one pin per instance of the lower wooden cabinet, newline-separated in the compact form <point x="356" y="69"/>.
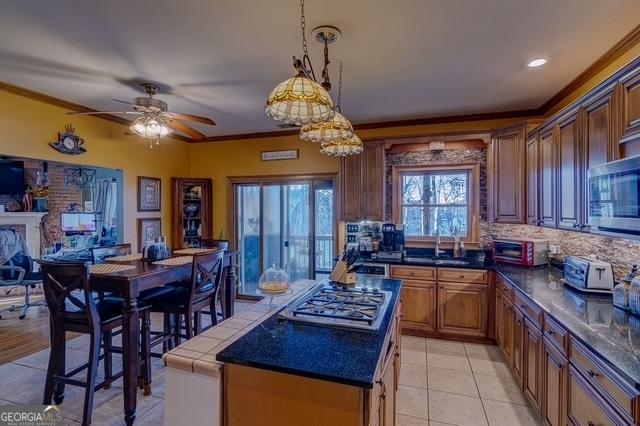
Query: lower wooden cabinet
<point x="532" y="364"/>
<point x="517" y="345"/>
<point x="585" y="406"/>
<point x="419" y="306"/>
<point x="505" y="326"/>
<point x="554" y="384"/>
<point x="462" y="309"/>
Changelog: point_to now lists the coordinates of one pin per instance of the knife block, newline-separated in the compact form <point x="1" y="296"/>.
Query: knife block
<point x="342" y="275"/>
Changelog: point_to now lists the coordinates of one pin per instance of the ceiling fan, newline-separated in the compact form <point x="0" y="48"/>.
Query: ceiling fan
<point x="155" y="120"/>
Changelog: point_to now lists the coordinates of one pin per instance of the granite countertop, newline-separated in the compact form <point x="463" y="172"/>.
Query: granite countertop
<point x="321" y="352"/>
<point x="463" y="263"/>
<point x="612" y="333"/>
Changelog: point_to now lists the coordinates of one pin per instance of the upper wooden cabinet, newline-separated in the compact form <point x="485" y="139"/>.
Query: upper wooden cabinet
<point x="533" y="180"/>
<point x="362" y="184"/>
<point x="547" y="172"/>
<point x="630" y="107"/>
<point x="569" y="176"/>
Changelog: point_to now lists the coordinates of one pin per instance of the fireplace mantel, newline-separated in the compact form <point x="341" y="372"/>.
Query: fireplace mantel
<point x="31" y="221"/>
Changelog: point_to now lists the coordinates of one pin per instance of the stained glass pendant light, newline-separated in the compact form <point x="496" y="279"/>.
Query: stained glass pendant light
<point x="300" y="100"/>
<point x="343" y="147"/>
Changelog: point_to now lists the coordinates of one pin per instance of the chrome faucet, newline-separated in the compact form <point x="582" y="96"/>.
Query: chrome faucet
<point x="438" y="252"/>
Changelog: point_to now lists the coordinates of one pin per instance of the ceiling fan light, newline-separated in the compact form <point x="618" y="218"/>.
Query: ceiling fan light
<point x="336" y="128"/>
<point x="343" y="147"/>
<point x="299" y="100"/>
<point x="150" y="127"/>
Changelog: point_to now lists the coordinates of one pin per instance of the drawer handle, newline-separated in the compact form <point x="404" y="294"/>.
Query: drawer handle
<point x="411" y="273"/>
<point x="590" y="423"/>
<point x="551" y="332"/>
<point x="523" y="306"/>
<point x="460" y="276"/>
<point x="592" y="373"/>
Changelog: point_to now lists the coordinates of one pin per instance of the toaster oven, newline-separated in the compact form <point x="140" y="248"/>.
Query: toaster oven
<point x="521" y="252"/>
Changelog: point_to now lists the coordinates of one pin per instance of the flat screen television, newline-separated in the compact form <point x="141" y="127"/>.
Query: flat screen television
<point x="11" y="177"/>
<point x="78" y="222"/>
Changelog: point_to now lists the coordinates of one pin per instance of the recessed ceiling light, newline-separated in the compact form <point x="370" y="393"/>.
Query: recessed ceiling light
<point x="538" y="62"/>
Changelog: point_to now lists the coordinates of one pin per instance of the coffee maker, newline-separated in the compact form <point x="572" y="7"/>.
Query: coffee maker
<point x="392" y="242"/>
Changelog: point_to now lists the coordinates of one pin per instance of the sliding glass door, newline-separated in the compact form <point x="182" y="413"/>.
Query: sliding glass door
<point x="285" y="223"/>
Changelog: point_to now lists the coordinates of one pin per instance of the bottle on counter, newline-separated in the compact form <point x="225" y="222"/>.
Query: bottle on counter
<point x="622" y="292"/>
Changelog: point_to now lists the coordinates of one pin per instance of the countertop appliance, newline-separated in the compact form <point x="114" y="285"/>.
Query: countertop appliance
<point x="614" y="195"/>
<point x="357" y="307"/>
<point x="522" y="251"/>
<point x="392" y="242"/>
<point x="588" y="275"/>
<point x="369" y="269"/>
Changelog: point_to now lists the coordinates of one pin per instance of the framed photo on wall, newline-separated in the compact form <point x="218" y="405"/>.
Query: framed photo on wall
<point x="149" y="228"/>
<point x="149" y="194"/>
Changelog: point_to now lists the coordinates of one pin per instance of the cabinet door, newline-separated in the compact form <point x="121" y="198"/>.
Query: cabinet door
<point x="585" y="406"/>
<point x="419" y="306"/>
<point x="498" y="315"/>
<point x="547" y="178"/>
<point x="388" y="396"/>
<point x="462" y="309"/>
<point x="373" y="181"/>
<point x="630" y="114"/>
<point x="507" y="150"/>
<point x="598" y="140"/>
<point x="350" y="179"/>
<point x="532" y="365"/>
<point x="532" y="179"/>
<point x="517" y="345"/>
<point x="506" y="321"/>
<point x="569" y="212"/>
<point x="554" y="383"/>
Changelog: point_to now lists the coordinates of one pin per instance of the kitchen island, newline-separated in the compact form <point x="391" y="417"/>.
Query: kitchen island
<point x="257" y="368"/>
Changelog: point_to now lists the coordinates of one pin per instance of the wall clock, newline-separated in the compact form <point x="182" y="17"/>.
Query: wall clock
<point x="68" y="142"/>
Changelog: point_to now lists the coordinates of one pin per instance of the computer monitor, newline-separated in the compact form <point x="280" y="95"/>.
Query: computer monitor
<point x="78" y="222"/>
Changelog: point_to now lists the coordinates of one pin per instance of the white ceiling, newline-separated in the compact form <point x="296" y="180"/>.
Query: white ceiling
<point x="402" y="59"/>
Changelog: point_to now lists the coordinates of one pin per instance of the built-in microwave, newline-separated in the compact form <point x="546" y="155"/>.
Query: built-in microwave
<point x="521" y="252"/>
<point x="614" y="195"/>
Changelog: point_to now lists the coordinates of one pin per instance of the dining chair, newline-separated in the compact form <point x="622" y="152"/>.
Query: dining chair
<point x="186" y="302"/>
<point x="19" y="272"/>
<point x="72" y="308"/>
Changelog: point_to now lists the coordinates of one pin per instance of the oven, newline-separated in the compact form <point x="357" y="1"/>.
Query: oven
<point x="614" y="196"/>
<point x="521" y="252"/>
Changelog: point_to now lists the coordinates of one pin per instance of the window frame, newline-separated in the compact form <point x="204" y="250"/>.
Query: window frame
<point x="473" y="170"/>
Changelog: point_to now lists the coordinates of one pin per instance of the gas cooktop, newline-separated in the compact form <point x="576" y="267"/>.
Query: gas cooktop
<point x="352" y="307"/>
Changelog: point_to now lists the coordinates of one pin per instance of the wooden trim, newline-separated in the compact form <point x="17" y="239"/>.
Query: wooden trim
<point x="618" y="49"/>
<point x="71" y="106"/>
<point x="474" y="199"/>
<point x="454" y="145"/>
<point x="280" y="178"/>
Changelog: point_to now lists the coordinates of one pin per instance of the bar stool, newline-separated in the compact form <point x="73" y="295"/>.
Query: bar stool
<point x="72" y="308"/>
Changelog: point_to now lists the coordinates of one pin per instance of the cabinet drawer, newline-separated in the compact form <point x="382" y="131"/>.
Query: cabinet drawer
<point x="528" y="308"/>
<point x="558" y="336"/>
<point x="585" y="406"/>
<point x="413" y="272"/>
<point x="504" y="287"/>
<point x="618" y="393"/>
<point x="475" y="276"/>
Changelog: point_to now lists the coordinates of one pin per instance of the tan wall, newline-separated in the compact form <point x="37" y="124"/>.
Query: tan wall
<point x="27" y="126"/>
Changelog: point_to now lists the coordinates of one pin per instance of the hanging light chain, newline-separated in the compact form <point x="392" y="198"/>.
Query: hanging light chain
<point x="303" y="24"/>
<point x="338" y="105"/>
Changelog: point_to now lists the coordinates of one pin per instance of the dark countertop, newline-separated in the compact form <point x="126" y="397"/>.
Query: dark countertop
<point x="327" y="353"/>
<point x="610" y="332"/>
<point x="464" y="263"/>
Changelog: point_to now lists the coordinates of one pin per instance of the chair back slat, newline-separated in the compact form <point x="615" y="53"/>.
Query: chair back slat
<point x="206" y="274"/>
<point x="100" y="254"/>
<point x="66" y="285"/>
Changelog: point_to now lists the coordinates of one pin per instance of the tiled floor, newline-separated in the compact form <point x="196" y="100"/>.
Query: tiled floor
<point x="443" y="382"/>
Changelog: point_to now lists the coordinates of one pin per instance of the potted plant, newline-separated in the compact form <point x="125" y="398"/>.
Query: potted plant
<point x="40" y="196"/>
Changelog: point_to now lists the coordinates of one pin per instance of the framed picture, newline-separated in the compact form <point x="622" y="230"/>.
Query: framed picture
<point x="149" y="228"/>
<point x="149" y="194"/>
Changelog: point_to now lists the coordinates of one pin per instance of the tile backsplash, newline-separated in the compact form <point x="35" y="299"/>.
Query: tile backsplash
<point x="620" y="252"/>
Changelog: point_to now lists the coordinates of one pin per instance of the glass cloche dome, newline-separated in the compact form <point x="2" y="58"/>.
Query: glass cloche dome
<point x="274" y="280"/>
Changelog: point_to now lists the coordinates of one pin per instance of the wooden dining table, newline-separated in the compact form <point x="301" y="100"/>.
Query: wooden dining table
<point x="129" y="284"/>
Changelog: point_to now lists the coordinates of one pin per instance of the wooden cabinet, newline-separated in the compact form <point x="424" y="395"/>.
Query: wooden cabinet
<point x="585" y="406"/>
<point x="505" y="325"/>
<point x="191" y="201"/>
<point x="554" y="384"/>
<point x="462" y="309"/>
<point x="517" y="345"/>
<point x="532" y="363"/>
<point x="532" y="180"/>
<point x="630" y="108"/>
<point x="419" y="306"/>
<point x="547" y="178"/>
<point x="362" y="183"/>
<point x="569" y="176"/>
<point x="387" y="401"/>
<point x="508" y="175"/>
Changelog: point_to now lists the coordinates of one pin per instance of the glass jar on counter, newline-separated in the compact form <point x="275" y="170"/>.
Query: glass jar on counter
<point x="274" y="280"/>
<point x="634" y="296"/>
<point x="622" y="291"/>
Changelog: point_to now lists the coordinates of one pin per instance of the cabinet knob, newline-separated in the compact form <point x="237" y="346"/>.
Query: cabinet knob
<point x="551" y="332"/>
<point x="590" y="423"/>
<point x="592" y="373"/>
<point x="523" y="306"/>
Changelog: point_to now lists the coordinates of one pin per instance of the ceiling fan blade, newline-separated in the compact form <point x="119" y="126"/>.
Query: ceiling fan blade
<point x="103" y="112"/>
<point x="129" y="133"/>
<point x="122" y="102"/>
<point x="190" y="117"/>
<point x="187" y="130"/>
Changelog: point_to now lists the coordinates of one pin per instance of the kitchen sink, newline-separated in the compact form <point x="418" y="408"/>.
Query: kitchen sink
<point x="435" y="261"/>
